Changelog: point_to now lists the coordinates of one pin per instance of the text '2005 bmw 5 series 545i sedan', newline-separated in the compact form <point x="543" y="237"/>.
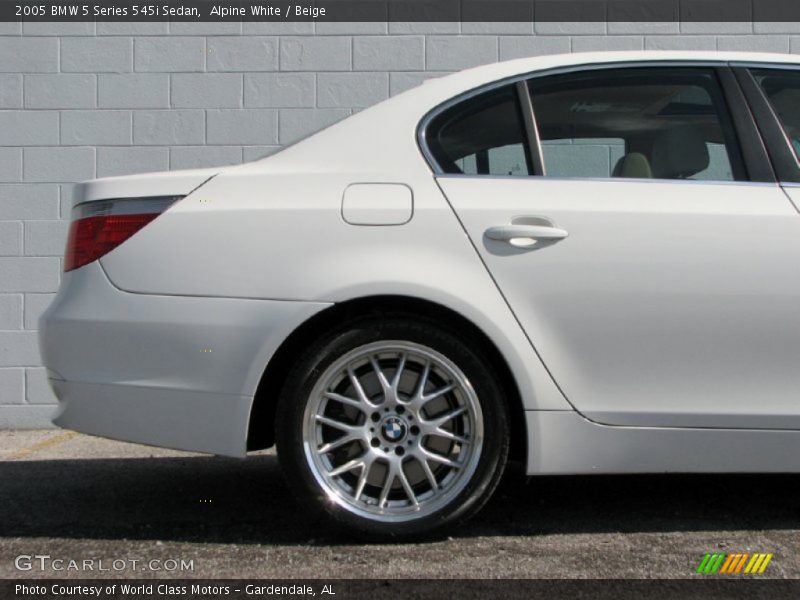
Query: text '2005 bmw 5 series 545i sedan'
<point x="587" y="262"/>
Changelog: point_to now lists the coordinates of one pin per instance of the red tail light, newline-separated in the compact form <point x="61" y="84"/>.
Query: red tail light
<point x="99" y="227"/>
<point x="91" y="238"/>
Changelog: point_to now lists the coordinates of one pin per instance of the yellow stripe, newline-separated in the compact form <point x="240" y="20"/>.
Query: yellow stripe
<point x="741" y="563"/>
<point x="753" y="562"/>
<point x="765" y="563"/>
<point x="45" y="443"/>
<point x="727" y="562"/>
<point x="758" y="563"/>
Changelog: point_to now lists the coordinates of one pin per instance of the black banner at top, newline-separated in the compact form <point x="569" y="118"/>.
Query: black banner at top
<point x="403" y="10"/>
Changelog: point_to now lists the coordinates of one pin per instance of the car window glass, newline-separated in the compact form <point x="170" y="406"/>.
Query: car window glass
<point x="636" y="123"/>
<point x="782" y="88"/>
<point x="591" y="157"/>
<point x="483" y="135"/>
<point x="719" y="167"/>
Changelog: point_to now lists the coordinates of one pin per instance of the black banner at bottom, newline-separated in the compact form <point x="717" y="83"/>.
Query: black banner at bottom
<point x="704" y="588"/>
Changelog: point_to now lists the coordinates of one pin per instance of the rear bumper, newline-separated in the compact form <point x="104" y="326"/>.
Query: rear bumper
<point x="174" y="371"/>
<point x="181" y="419"/>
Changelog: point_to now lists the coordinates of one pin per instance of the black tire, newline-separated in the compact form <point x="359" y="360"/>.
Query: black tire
<point x="463" y="352"/>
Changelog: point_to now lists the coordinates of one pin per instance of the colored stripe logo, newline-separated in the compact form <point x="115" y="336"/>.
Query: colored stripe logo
<point x="736" y="563"/>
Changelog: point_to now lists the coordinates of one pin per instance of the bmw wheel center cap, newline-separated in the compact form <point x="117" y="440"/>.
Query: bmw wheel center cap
<point x="394" y="429"/>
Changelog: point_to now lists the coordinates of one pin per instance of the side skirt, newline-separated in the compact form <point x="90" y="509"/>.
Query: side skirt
<point x="565" y="443"/>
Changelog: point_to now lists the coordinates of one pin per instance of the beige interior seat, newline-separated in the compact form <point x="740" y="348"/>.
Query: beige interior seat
<point x="633" y="165"/>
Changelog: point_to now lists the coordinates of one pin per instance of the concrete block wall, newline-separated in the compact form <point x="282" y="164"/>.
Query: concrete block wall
<point x="83" y="100"/>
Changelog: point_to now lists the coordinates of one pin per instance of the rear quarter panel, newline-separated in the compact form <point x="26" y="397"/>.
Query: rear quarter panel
<point x="281" y="236"/>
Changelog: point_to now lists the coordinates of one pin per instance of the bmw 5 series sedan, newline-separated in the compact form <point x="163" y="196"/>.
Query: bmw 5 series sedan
<point x="587" y="263"/>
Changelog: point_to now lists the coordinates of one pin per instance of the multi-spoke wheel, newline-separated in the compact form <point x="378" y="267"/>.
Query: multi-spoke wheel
<point x="395" y="428"/>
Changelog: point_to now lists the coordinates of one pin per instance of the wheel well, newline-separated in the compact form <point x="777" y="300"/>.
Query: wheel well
<point x="261" y="430"/>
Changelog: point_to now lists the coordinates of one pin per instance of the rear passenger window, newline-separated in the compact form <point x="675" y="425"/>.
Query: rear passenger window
<point x="582" y="157"/>
<point x="664" y="123"/>
<point x="484" y="135"/>
<point x="782" y="88"/>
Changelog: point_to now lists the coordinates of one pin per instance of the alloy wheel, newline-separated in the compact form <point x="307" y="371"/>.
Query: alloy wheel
<point x="392" y="431"/>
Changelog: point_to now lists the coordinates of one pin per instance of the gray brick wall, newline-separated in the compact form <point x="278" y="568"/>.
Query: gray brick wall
<point x="79" y="100"/>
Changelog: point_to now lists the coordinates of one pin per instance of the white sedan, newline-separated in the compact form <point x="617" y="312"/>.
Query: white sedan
<point x="588" y="263"/>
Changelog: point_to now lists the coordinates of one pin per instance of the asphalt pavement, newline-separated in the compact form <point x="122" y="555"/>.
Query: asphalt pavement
<point x="75" y="498"/>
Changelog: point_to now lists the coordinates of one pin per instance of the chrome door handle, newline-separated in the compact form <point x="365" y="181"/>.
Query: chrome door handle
<point x="509" y="233"/>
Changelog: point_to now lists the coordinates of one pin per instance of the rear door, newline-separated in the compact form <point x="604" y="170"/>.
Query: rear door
<point x="639" y="236"/>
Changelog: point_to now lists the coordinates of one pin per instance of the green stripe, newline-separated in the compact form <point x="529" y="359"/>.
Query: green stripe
<point x="702" y="567"/>
<point x="710" y="564"/>
<point x="715" y="567"/>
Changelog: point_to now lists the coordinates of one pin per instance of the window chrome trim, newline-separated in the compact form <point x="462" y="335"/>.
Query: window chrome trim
<point x="737" y="64"/>
<point x="422" y="128"/>
<point x="617" y="180"/>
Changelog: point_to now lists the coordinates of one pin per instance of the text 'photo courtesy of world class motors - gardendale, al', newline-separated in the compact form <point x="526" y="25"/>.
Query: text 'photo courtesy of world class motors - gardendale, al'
<point x="391" y="298"/>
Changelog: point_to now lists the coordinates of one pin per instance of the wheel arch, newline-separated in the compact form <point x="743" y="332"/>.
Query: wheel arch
<point x="261" y="426"/>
